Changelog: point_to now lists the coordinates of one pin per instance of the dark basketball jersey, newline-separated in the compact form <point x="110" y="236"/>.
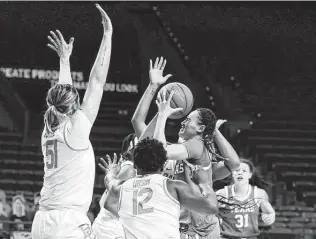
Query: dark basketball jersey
<point x="240" y="219"/>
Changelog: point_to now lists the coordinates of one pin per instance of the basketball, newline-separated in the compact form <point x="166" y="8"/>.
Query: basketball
<point x="182" y="98"/>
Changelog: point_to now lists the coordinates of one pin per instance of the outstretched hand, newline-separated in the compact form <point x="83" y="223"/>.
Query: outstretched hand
<point x="113" y="167"/>
<point x="106" y="21"/>
<point x="163" y="104"/>
<point x="156" y="71"/>
<point x="58" y="44"/>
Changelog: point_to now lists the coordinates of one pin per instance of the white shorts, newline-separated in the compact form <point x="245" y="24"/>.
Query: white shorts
<point x="107" y="226"/>
<point x="61" y="224"/>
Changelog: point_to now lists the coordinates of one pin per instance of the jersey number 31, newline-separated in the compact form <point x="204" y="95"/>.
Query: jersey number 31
<point x="51" y="154"/>
<point x="242" y="220"/>
<point x="138" y="206"/>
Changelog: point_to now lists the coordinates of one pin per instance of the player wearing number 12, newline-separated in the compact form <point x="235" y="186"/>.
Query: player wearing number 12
<point x="149" y="204"/>
<point x="240" y="204"/>
<point x="69" y="162"/>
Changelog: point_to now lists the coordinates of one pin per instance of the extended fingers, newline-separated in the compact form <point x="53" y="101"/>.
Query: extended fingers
<point x="103" y="165"/>
<point x="55" y="44"/>
<point x="163" y="65"/>
<point x="114" y="158"/>
<point x="52" y="47"/>
<point x="56" y="39"/>
<point x="150" y="64"/>
<point x="156" y="62"/>
<point x="60" y="36"/>
<point x="160" y="63"/>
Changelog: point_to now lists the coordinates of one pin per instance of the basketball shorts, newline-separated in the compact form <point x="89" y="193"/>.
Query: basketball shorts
<point x="202" y="227"/>
<point x="107" y="226"/>
<point x="61" y="224"/>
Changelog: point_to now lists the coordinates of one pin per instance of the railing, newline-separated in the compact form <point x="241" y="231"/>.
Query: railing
<point x="15" y="105"/>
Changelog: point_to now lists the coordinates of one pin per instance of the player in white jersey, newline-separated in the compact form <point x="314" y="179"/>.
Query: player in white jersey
<point x="69" y="162"/>
<point x="107" y="224"/>
<point x="150" y="203"/>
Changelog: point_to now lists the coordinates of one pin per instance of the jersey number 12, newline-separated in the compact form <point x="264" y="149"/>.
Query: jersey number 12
<point x="51" y="154"/>
<point x="138" y="206"/>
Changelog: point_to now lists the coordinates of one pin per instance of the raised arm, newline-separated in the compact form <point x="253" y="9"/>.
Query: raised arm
<point x="92" y="98"/>
<point x="156" y="79"/>
<point x="64" y="50"/>
<point x="224" y="168"/>
<point x="174" y="151"/>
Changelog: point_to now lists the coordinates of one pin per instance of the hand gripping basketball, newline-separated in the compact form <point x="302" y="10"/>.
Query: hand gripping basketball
<point x="163" y="104"/>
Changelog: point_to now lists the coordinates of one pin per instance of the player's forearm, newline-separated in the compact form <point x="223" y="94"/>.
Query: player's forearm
<point x="139" y="117"/>
<point x="64" y="72"/>
<point x="109" y="180"/>
<point x="227" y="150"/>
<point x="159" y="133"/>
<point x="212" y="207"/>
<point x="102" y="62"/>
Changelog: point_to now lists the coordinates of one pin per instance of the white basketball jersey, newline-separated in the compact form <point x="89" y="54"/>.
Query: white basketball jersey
<point x="69" y="173"/>
<point x="147" y="210"/>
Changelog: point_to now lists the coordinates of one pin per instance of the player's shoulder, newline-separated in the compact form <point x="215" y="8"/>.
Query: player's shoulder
<point x="261" y="193"/>
<point x="221" y="192"/>
<point x="81" y="117"/>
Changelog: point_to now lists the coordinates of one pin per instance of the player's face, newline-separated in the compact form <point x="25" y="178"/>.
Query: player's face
<point x="190" y="126"/>
<point x="242" y="174"/>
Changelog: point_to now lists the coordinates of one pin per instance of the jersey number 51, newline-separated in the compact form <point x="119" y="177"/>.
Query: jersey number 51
<point x="51" y="154"/>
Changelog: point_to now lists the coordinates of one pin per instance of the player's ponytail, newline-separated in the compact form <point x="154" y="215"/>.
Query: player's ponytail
<point x="62" y="101"/>
<point x="208" y="118"/>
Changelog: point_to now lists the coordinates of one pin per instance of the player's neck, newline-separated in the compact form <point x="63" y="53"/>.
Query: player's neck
<point x="241" y="189"/>
<point x="144" y="173"/>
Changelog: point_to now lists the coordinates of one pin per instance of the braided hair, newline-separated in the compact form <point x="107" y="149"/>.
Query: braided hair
<point x="207" y="117"/>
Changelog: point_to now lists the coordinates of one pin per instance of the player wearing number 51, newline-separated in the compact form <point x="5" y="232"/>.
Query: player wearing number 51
<point x="150" y="203"/>
<point x="69" y="162"/>
<point x="240" y="203"/>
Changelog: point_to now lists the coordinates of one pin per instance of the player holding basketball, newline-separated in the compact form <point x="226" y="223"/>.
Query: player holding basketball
<point x="150" y="203"/>
<point x="68" y="155"/>
<point x="196" y="138"/>
<point x="107" y="224"/>
<point x="239" y="216"/>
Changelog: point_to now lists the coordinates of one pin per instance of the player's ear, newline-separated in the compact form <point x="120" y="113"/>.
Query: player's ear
<point x="250" y="175"/>
<point x="201" y="128"/>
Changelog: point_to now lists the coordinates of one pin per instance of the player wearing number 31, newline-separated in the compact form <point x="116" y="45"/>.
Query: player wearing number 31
<point x="149" y="204"/>
<point x="69" y="161"/>
<point x="239" y="217"/>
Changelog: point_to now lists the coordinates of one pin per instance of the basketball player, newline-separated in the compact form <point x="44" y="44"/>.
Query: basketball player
<point x="107" y="224"/>
<point x="196" y="138"/>
<point x="69" y="162"/>
<point x="239" y="216"/>
<point x="150" y="203"/>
